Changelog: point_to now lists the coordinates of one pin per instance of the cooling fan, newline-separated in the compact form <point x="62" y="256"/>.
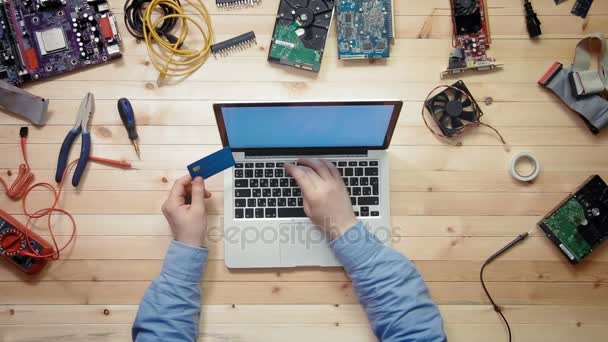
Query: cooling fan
<point x="465" y="7"/>
<point x="453" y="109"/>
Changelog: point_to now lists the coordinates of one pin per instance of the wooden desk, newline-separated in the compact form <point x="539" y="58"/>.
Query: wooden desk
<point x="454" y="206"/>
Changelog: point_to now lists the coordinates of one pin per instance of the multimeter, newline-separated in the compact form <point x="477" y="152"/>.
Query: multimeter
<point x="13" y="245"/>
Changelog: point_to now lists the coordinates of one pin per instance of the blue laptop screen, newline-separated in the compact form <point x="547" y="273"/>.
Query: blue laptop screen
<point x="307" y="126"/>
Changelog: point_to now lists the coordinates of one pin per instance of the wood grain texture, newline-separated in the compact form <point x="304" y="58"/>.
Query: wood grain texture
<point x="298" y="332"/>
<point x="297" y="314"/>
<point x="452" y="206"/>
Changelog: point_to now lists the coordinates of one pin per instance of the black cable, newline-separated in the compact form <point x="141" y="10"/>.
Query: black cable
<point x="532" y="21"/>
<point x="497" y="308"/>
<point x="133" y="19"/>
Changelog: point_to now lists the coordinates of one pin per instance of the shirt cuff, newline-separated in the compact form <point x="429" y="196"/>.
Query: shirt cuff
<point x="185" y="262"/>
<point x="355" y="246"/>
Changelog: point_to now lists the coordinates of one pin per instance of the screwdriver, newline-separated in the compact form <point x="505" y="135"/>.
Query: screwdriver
<point x="128" y="120"/>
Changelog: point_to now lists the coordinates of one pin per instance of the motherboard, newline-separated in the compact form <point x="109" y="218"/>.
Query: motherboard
<point x="300" y="32"/>
<point x="580" y="224"/>
<point x="45" y="38"/>
<point x="364" y="28"/>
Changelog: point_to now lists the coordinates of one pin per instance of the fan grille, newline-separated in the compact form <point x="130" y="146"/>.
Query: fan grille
<point x="466" y="7"/>
<point x="453" y="109"/>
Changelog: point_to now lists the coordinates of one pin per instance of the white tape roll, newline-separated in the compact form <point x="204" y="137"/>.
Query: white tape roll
<point x="535" y="167"/>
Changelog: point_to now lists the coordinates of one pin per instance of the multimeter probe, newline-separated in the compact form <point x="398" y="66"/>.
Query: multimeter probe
<point x="18" y="244"/>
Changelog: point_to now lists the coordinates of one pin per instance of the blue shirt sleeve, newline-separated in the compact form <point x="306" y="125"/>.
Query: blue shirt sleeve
<point x="171" y="307"/>
<point x="389" y="287"/>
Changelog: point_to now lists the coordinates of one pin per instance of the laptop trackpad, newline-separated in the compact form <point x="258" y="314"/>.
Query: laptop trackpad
<point x="303" y="244"/>
<point x="251" y="246"/>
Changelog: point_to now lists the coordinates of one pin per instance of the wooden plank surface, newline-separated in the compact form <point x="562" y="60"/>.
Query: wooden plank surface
<point x="296" y="332"/>
<point x="452" y="206"/>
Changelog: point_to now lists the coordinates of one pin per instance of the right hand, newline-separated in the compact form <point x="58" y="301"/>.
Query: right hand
<point x="185" y="211"/>
<point x="326" y="201"/>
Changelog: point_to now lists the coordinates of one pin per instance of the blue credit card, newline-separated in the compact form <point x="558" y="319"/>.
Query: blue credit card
<point x="212" y="164"/>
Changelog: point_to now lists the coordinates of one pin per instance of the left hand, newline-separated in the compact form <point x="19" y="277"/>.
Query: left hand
<point x="185" y="210"/>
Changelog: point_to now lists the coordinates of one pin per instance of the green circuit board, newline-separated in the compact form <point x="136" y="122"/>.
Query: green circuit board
<point x="564" y="224"/>
<point x="289" y="49"/>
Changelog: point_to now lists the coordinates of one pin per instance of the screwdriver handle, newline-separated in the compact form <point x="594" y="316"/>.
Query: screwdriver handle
<point x="128" y="118"/>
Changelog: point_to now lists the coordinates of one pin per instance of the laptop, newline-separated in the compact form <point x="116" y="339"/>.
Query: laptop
<point x="264" y="221"/>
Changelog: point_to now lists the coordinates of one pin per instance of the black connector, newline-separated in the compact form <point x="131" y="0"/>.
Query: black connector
<point x="241" y="41"/>
<point x="23" y="132"/>
<point x="171" y="39"/>
<point x="581" y="8"/>
<point x="532" y="21"/>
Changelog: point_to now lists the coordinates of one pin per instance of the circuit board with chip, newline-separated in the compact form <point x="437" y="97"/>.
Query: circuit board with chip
<point x="364" y="28"/>
<point x="300" y="32"/>
<point x="580" y="224"/>
<point x="46" y="38"/>
<point x="471" y="38"/>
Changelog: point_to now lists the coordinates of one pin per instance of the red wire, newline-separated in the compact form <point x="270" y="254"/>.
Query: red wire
<point x="48" y="212"/>
<point x="21" y="189"/>
<point x="23" y="179"/>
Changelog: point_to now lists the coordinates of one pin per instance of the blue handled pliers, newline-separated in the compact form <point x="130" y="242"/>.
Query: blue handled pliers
<point x="81" y="126"/>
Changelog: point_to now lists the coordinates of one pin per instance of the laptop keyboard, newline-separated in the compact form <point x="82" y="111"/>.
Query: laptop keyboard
<point x="264" y="190"/>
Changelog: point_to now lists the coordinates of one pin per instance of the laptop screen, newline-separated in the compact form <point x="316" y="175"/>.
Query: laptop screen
<point x="307" y="125"/>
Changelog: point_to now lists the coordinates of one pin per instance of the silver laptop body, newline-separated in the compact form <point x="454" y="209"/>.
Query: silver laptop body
<point x="264" y="222"/>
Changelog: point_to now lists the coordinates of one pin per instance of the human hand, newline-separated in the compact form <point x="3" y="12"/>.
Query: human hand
<point x="326" y="201"/>
<point x="185" y="211"/>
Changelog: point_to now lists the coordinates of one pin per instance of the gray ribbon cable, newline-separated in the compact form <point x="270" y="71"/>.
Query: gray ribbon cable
<point x="593" y="108"/>
<point x="586" y="81"/>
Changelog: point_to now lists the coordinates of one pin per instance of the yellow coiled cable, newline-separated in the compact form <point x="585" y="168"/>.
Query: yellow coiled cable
<point x="174" y="59"/>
